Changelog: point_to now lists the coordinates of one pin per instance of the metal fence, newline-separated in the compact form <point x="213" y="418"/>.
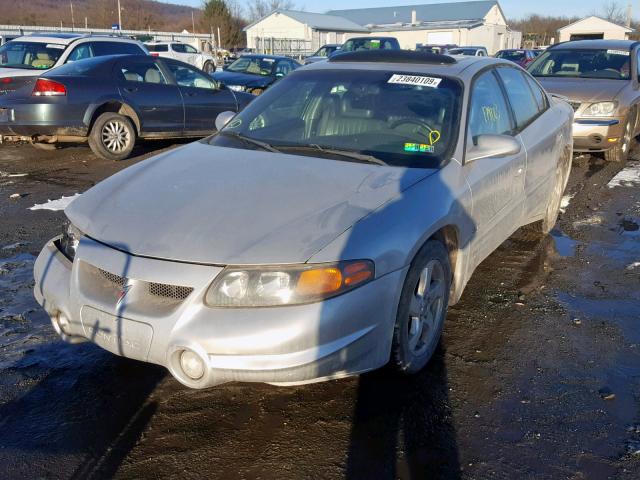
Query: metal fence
<point x="290" y="47"/>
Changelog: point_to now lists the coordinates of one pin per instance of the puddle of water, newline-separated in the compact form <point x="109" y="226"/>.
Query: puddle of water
<point x="565" y="246"/>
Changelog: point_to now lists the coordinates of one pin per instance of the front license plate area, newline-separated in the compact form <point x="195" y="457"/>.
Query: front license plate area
<point x="118" y="335"/>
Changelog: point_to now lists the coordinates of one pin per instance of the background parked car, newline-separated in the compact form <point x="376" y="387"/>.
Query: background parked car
<point x="441" y="49"/>
<point x="597" y="78"/>
<point x="469" y="51"/>
<point x="112" y="101"/>
<point x="357" y="44"/>
<point x="322" y="53"/>
<point x="185" y="53"/>
<point x="254" y="73"/>
<point x="32" y="55"/>
<point x="519" y="56"/>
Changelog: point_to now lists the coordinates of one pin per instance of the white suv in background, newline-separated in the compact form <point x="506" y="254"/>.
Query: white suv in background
<point x="185" y="53"/>
<point x="31" y="55"/>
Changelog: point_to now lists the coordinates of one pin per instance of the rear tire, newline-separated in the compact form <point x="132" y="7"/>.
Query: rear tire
<point x="112" y="136"/>
<point x="209" y="67"/>
<point x="422" y="308"/>
<point x="620" y="152"/>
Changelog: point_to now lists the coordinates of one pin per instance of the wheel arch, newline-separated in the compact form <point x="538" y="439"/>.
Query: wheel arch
<point x="449" y="236"/>
<point x="115" y="106"/>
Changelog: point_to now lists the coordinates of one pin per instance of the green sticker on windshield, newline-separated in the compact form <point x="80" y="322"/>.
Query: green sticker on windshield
<point x="418" y="148"/>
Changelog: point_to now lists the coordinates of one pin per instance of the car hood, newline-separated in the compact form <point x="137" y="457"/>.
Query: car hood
<point x="245" y="79"/>
<point x="20" y="72"/>
<point x="583" y="89"/>
<point x="216" y="205"/>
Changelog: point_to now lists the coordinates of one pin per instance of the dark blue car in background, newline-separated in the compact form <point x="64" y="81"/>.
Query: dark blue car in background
<point x="112" y="101"/>
<point x="255" y="73"/>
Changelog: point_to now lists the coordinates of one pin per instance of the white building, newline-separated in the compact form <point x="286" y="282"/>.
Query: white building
<point x="462" y="23"/>
<point x="593" y="28"/>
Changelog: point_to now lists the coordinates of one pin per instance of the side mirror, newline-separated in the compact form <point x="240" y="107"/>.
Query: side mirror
<point x="223" y="118"/>
<point x="490" y="146"/>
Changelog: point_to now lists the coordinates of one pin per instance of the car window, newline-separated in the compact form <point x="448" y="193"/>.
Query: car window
<point x="283" y="68"/>
<point x="189" y="77"/>
<point x="115" y="48"/>
<point x="253" y="65"/>
<point x="183" y="48"/>
<point x="488" y="110"/>
<point x="144" y="72"/>
<point x="81" y="52"/>
<point x="158" y="48"/>
<point x="585" y="63"/>
<point x="513" y="55"/>
<point x="520" y="96"/>
<point x="403" y="119"/>
<point x="538" y="94"/>
<point x="30" y="55"/>
<point x="190" y="49"/>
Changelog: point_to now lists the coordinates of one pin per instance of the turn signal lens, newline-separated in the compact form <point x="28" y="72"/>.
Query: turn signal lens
<point x="48" y="88"/>
<point x="319" y="282"/>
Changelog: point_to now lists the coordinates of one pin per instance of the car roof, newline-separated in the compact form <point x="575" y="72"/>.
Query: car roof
<point x="258" y="55"/>
<point x="404" y="60"/>
<point x="67" y="38"/>
<point x="369" y="38"/>
<point x="598" y="44"/>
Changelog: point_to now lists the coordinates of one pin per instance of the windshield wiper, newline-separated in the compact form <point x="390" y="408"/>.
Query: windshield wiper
<point x="339" y="152"/>
<point x="252" y="141"/>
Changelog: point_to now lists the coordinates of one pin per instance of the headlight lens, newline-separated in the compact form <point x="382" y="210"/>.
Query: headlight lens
<point x="268" y="286"/>
<point x="601" y="109"/>
<point x="70" y="240"/>
<point x="236" y="88"/>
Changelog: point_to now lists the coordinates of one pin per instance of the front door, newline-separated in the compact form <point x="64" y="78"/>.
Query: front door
<point x="497" y="183"/>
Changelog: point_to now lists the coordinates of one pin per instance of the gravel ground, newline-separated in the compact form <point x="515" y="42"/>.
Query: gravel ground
<point x="538" y="374"/>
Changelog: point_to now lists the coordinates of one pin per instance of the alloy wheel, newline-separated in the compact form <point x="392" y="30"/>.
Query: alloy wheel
<point x="426" y="308"/>
<point x="115" y="136"/>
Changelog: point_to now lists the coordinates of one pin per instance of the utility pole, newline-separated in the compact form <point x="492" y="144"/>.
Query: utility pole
<point x="628" y="22"/>
<point x="86" y="27"/>
<point x="219" y="39"/>
<point x="119" y="16"/>
<point x="193" y="23"/>
<point x="73" y="21"/>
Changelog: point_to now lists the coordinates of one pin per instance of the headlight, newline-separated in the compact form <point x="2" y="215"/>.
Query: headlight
<point x="70" y="240"/>
<point x="601" y="109"/>
<point x="236" y="88"/>
<point x="268" y="286"/>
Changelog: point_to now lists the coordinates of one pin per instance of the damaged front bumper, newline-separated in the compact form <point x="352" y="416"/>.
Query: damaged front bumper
<point x="153" y="310"/>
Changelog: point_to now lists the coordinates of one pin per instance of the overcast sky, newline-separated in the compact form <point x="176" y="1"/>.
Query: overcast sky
<point x="512" y="8"/>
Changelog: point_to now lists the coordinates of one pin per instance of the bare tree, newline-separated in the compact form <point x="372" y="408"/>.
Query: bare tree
<point x="614" y="12"/>
<point x="261" y="8"/>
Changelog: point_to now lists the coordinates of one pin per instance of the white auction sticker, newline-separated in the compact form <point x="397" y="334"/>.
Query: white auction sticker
<point x="415" y="80"/>
<point x="56" y="45"/>
<point x="618" y="52"/>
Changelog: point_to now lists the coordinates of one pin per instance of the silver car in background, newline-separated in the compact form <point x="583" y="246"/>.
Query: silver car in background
<point x="323" y="232"/>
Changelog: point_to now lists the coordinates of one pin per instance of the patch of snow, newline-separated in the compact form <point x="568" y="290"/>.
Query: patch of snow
<point x="13" y="246"/>
<point x="55" y="205"/>
<point x="633" y="265"/>
<point x="564" y="203"/>
<point x="594" y="220"/>
<point x="627" y="177"/>
<point x="7" y="174"/>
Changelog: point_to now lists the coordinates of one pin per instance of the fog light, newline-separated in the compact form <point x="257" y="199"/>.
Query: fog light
<point x="192" y="365"/>
<point x="612" y="139"/>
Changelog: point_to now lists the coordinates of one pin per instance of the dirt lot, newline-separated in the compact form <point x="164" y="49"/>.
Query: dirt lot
<point x="538" y="375"/>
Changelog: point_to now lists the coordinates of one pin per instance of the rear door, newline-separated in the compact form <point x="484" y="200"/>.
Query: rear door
<point x="203" y="101"/>
<point x="145" y="87"/>
<point x="540" y="133"/>
<point x="185" y="53"/>
<point x="496" y="183"/>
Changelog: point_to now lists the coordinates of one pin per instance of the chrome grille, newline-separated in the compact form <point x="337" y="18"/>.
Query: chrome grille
<point x="113" y="278"/>
<point x="169" y="291"/>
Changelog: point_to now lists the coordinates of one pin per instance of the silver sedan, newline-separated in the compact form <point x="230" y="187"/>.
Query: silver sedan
<point x="323" y="232"/>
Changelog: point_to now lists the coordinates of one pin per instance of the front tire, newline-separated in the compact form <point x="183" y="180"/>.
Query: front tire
<point x="620" y="152"/>
<point x="112" y="137"/>
<point x="422" y="308"/>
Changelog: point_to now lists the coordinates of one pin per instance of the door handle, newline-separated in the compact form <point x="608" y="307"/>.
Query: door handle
<point x="131" y="89"/>
<point x="519" y="171"/>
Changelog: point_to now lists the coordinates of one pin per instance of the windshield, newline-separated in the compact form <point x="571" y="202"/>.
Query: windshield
<point x="254" y="65"/>
<point x="463" y="51"/>
<point x="357" y="44"/>
<point x="30" y="55"/>
<point x="400" y="118"/>
<point x="600" y="63"/>
<point x="513" y="55"/>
